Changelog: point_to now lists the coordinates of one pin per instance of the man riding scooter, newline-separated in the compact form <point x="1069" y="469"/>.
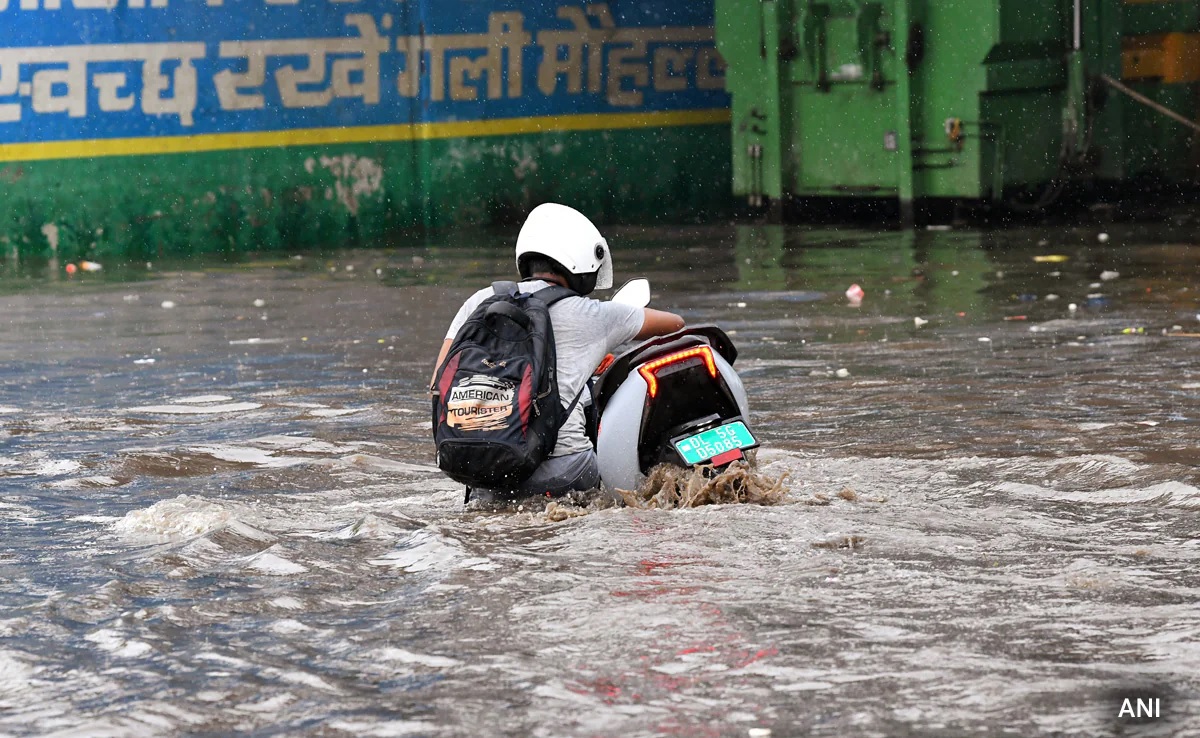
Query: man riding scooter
<point x="561" y="257"/>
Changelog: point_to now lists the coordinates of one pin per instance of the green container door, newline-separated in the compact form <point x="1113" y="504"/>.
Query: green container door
<point x="844" y="93"/>
<point x="963" y="99"/>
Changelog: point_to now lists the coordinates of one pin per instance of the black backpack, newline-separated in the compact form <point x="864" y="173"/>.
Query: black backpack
<point x="496" y="407"/>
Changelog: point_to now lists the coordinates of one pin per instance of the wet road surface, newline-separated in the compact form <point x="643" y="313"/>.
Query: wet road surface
<point x="220" y="513"/>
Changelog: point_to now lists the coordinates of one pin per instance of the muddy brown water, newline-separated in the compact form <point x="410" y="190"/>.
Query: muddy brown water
<point x="222" y="517"/>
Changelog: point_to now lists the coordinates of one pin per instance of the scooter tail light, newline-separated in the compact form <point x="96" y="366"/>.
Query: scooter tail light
<point x="650" y="369"/>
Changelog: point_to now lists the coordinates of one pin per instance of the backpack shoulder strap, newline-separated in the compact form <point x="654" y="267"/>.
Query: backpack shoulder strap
<point x="549" y="296"/>
<point x="553" y="294"/>
<point x="506" y="287"/>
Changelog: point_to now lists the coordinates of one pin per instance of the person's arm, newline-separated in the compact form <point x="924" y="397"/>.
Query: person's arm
<point x="441" y="357"/>
<point x="658" y="323"/>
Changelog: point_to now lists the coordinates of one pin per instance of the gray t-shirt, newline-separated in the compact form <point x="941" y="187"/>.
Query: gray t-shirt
<point x="585" y="330"/>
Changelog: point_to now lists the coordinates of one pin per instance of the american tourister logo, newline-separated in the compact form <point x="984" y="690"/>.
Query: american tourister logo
<point x="480" y="403"/>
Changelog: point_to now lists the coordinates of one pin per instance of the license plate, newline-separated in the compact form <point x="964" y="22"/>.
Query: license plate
<point x="702" y="446"/>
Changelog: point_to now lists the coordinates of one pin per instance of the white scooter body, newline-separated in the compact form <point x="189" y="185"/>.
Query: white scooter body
<point x="625" y="409"/>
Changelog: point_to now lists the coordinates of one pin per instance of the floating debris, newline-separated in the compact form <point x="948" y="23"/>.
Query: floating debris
<point x="848" y="543"/>
<point x="669" y="486"/>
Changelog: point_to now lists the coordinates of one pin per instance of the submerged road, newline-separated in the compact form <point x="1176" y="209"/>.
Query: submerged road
<point x="219" y="512"/>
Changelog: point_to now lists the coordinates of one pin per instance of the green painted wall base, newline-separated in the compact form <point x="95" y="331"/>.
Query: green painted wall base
<point x="144" y="207"/>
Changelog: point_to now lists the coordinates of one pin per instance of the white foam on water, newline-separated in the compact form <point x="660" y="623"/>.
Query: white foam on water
<point x="84" y="482"/>
<point x="305" y="445"/>
<point x="390" y="729"/>
<point x="100" y="519"/>
<point x="232" y="407"/>
<point x="307" y="680"/>
<point x="802" y="686"/>
<point x="116" y="644"/>
<point x="269" y="563"/>
<point x="288" y="603"/>
<point x="255" y="341"/>
<point x="5" y="410"/>
<point x="221" y="658"/>
<point x="288" y="626"/>
<point x="201" y="399"/>
<point x="54" y="467"/>
<point x="335" y="412"/>
<point x="408" y="657"/>
<point x="1171" y="494"/>
<point x="15" y="675"/>
<point x="387" y="465"/>
<point x="243" y="455"/>
<point x="368" y="527"/>
<point x="270" y="705"/>
<point x="176" y="519"/>
<point x="427" y="550"/>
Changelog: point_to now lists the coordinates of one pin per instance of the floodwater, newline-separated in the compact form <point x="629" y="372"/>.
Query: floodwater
<point x="222" y="517"/>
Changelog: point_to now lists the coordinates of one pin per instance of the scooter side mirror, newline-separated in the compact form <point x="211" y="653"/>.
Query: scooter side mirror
<point x="635" y="292"/>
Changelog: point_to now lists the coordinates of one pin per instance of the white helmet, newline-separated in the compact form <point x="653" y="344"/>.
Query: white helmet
<point x="567" y="237"/>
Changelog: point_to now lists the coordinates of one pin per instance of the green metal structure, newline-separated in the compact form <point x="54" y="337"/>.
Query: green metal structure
<point x="967" y="99"/>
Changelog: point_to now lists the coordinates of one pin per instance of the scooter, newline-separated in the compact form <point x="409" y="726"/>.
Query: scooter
<point x="672" y="399"/>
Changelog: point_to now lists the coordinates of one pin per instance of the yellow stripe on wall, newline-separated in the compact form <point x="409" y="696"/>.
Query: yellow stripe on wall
<point x="365" y="134"/>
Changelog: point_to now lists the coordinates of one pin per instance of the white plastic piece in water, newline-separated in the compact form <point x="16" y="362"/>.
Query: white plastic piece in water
<point x="1073" y="307"/>
<point x="759" y="733"/>
<point x="919" y="321"/>
<point x="1051" y="297"/>
<point x="741" y="304"/>
<point x="842" y="373"/>
<point x="984" y="339"/>
<point x="1108" y="275"/>
<point x="260" y="303"/>
<point x="168" y="304"/>
<point x="1102" y="238"/>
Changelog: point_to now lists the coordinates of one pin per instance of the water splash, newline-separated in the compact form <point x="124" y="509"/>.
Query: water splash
<point x="669" y="486"/>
